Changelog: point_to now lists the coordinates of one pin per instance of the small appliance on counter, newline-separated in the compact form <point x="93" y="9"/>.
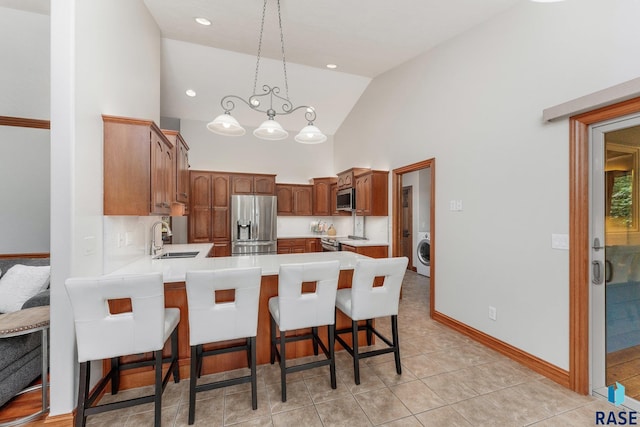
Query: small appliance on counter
<point x="318" y="226"/>
<point x="253" y="225"/>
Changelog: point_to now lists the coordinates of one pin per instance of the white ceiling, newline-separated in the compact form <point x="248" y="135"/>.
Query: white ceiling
<point x="363" y="37"/>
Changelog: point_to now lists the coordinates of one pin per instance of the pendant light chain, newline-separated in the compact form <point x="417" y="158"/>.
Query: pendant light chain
<point x="255" y="79"/>
<point x="284" y="62"/>
<point x="275" y="104"/>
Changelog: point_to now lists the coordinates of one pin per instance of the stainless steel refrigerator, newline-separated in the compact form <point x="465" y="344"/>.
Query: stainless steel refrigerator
<point x="253" y="225"/>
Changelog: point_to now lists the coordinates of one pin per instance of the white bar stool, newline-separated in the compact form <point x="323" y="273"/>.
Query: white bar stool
<point x="102" y="335"/>
<point x="211" y="322"/>
<point x="364" y="301"/>
<point x="293" y="309"/>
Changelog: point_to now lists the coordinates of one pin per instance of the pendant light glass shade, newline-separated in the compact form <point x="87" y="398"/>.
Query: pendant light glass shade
<point x="226" y="124"/>
<point x="310" y="135"/>
<point x="270" y="130"/>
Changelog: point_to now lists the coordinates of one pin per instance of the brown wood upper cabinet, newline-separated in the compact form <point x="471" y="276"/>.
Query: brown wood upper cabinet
<point x="253" y="184"/>
<point x="209" y="213"/>
<point x="138" y="168"/>
<point x="346" y="178"/>
<point x="295" y="199"/>
<point x="372" y="190"/>
<point x="181" y="159"/>
<point x="322" y="196"/>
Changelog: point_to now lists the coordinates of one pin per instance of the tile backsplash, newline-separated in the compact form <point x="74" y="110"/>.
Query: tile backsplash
<point x="126" y="238"/>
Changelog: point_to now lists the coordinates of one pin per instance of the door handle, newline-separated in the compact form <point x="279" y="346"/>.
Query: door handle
<point x="596" y="271"/>
<point x="608" y="271"/>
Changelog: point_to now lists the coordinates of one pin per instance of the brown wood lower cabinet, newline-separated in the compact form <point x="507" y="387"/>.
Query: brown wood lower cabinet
<point x="299" y="246"/>
<point x="381" y="251"/>
<point x="175" y="296"/>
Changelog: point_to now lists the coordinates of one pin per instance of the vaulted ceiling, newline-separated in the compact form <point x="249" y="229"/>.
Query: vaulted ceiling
<point x="364" y="38"/>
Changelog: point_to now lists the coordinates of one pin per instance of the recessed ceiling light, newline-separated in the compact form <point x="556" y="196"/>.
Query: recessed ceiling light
<point x="332" y="66"/>
<point x="203" y="21"/>
<point x="190" y="92"/>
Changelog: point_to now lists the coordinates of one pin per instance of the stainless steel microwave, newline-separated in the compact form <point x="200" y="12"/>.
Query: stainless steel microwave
<point x="346" y="199"/>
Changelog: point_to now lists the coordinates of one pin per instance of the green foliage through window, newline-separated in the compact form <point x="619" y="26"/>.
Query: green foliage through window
<point x="621" y="199"/>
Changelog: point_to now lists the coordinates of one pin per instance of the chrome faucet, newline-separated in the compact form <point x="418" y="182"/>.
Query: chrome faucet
<point x="154" y="247"/>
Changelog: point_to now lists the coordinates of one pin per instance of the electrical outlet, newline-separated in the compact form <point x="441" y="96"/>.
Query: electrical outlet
<point x="493" y="314"/>
<point x="120" y="240"/>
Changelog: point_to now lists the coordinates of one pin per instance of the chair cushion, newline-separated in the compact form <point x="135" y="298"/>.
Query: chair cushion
<point x="343" y="301"/>
<point x="20" y="283"/>
<point x="274" y="309"/>
<point x="171" y="320"/>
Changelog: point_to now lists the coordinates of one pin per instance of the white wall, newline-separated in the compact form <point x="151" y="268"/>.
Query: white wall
<point x="475" y="104"/>
<point x="24" y="74"/>
<point x="294" y="163"/>
<point x="24" y="190"/>
<point x="24" y="152"/>
<point x="96" y="69"/>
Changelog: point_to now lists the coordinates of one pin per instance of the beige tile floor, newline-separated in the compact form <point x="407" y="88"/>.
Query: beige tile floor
<point x="447" y="380"/>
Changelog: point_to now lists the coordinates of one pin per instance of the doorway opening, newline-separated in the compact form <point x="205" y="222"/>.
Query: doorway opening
<point x="416" y="175"/>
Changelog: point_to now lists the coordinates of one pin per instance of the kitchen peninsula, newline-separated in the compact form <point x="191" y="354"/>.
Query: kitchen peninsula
<point x="174" y="271"/>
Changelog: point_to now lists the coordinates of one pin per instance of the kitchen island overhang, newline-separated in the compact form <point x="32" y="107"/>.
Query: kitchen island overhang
<point x="174" y="271"/>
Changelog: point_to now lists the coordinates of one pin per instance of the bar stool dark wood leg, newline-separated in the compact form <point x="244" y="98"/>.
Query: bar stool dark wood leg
<point x="369" y="332"/>
<point x="332" y="354"/>
<point x="252" y="363"/>
<point x="273" y="341"/>
<point x="354" y="344"/>
<point x="396" y="343"/>
<point x="115" y="375"/>
<point x="283" y="366"/>
<point x="83" y="393"/>
<point x="192" y="384"/>
<point x="158" y="396"/>
<point x="315" y="339"/>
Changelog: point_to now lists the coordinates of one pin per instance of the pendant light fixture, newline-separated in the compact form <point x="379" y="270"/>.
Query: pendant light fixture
<point x="269" y="101"/>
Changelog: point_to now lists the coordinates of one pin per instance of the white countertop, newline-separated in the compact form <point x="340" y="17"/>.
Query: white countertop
<point x="174" y="270"/>
<point x="359" y="243"/>
<point x="304" y="236"/>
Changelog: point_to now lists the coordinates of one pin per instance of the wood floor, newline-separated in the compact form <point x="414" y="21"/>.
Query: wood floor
<point x="22" y="406"/>
<point x="623" y="366"/>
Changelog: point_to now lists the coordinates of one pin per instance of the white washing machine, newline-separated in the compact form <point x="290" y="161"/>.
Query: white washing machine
<point x="423" y="253"/>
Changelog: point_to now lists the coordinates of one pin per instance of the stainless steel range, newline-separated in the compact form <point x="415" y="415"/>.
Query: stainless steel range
<point x="330" y="244"/>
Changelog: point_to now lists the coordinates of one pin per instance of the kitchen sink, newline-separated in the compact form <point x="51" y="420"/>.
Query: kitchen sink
<point x="170" y="255"/>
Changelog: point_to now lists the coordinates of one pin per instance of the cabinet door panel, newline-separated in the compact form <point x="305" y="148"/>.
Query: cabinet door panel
<point x="221" y="226"/>
<point x="302" y="201"/>
<point x="221" y="196"/>
<point x="182" y="174"/>
<point x="284" y="194"/>
<point x="322" y="198"/>
<point x="157" y="174"/>
<point x="265" y="185"/>
<point x="200" y="225"/>
<point x="242" y="184"/>
<point x="200" y="190"/>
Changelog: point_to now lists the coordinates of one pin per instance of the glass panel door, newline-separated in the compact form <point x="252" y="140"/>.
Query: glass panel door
<point x="615" y="257"/>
